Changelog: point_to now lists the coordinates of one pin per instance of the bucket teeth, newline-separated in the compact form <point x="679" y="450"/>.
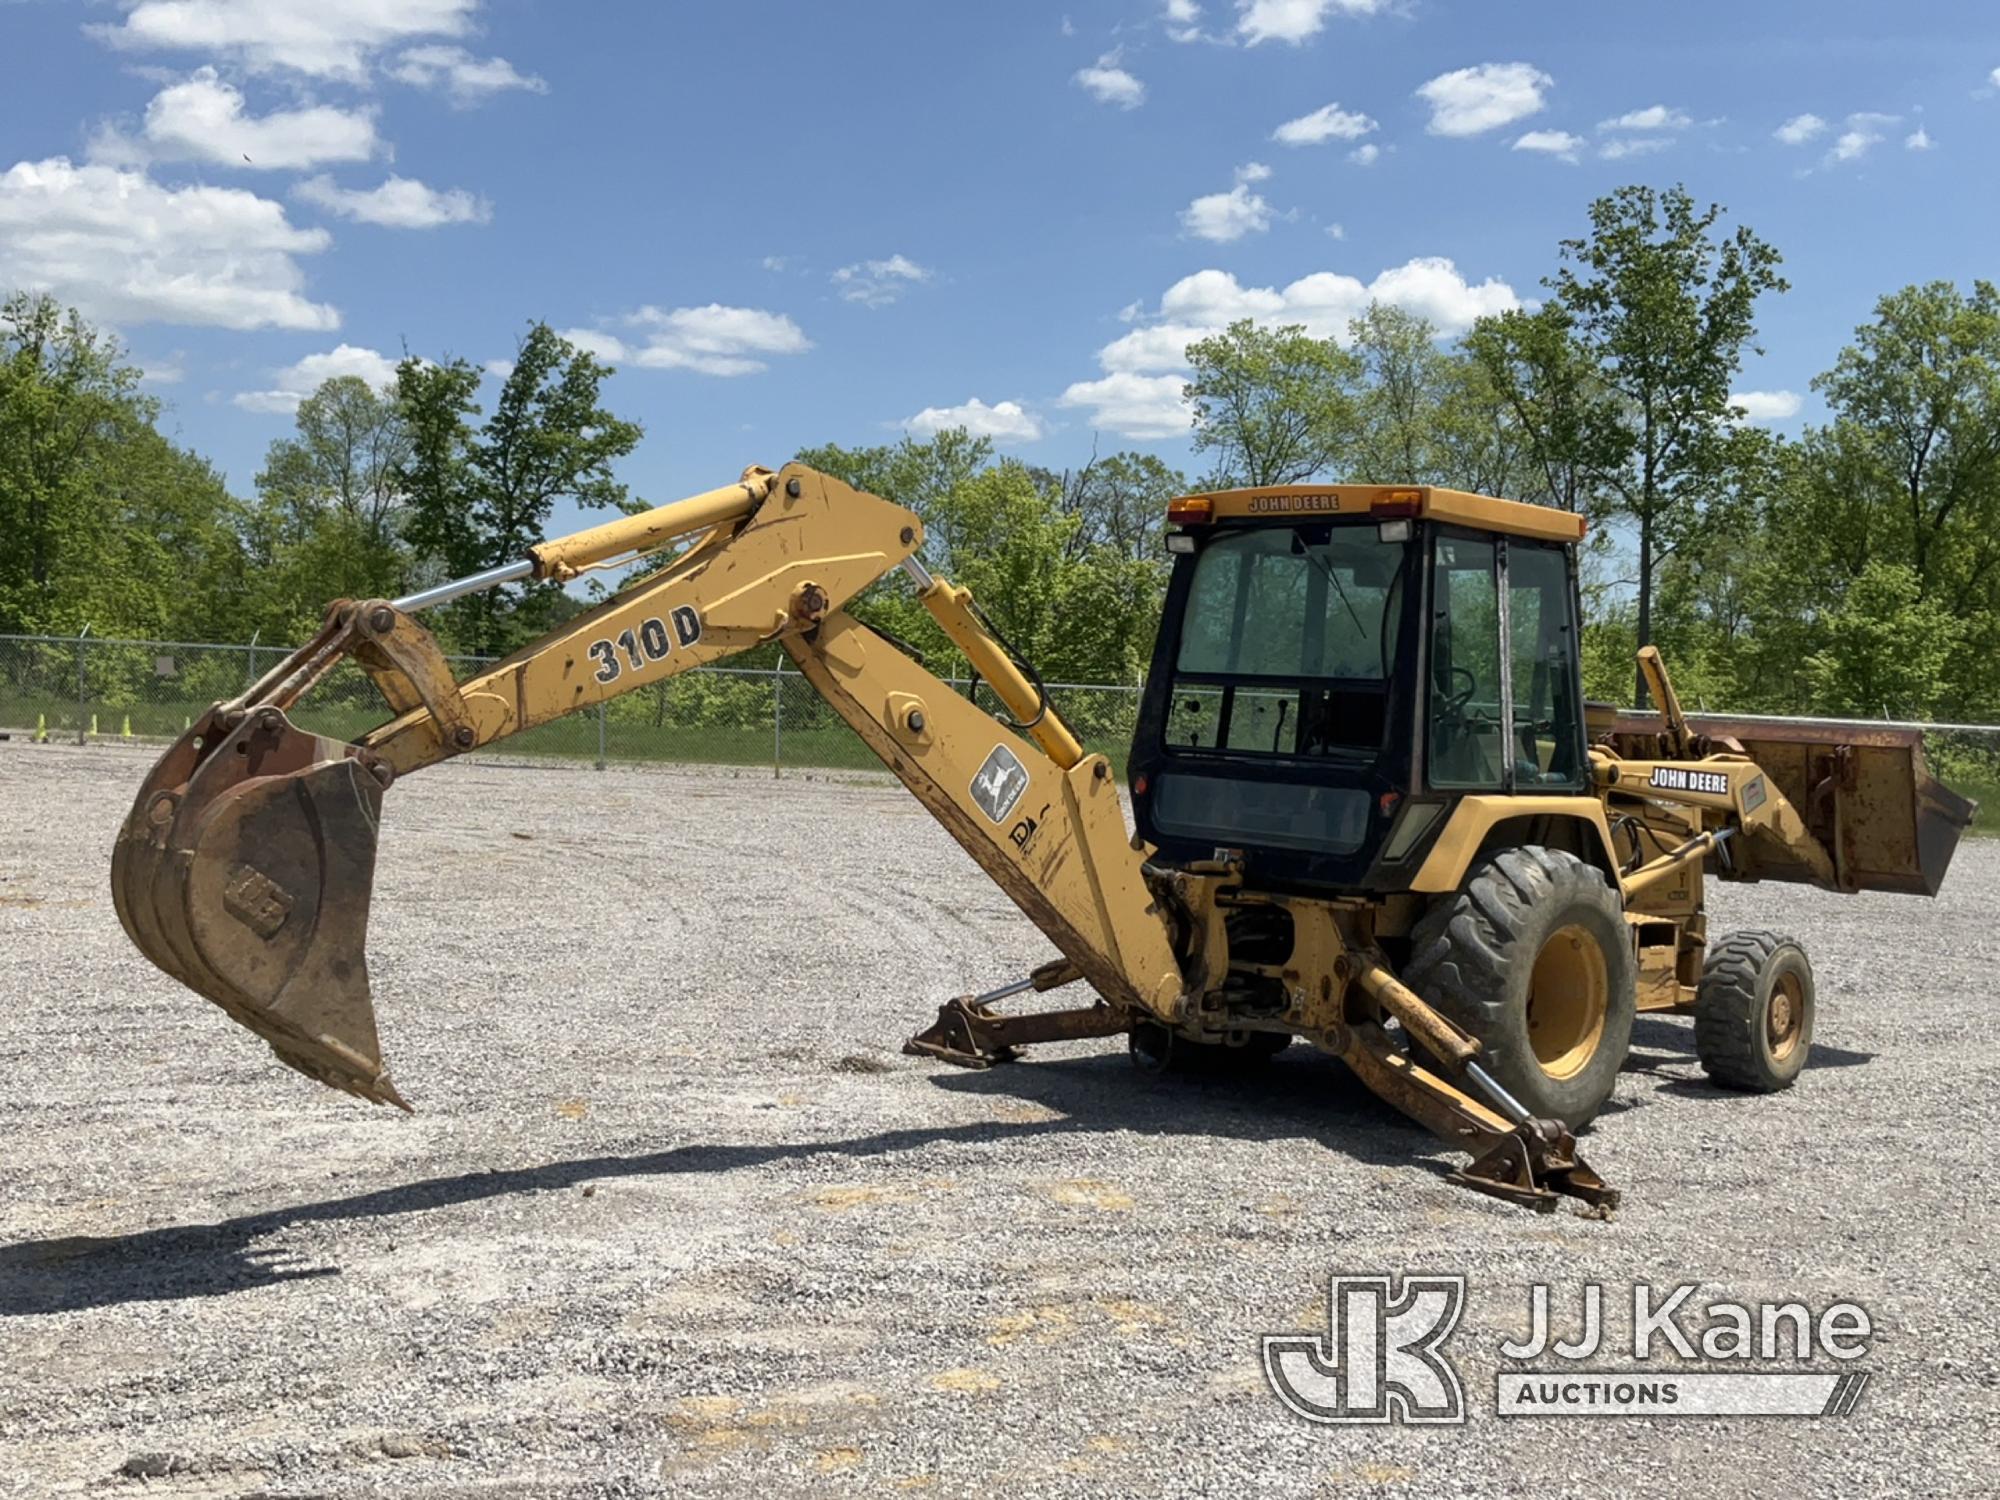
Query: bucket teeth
<point x="244" y="871"/>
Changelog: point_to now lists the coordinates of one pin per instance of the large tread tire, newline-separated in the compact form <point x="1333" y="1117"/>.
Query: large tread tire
<point x="1473" y="956"/>
<point x="1753" y="1014"/>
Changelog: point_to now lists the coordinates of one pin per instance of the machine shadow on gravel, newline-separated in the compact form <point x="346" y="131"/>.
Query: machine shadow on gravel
<point x="1285" y="1099"/>
<point x="1661" y="1049"/>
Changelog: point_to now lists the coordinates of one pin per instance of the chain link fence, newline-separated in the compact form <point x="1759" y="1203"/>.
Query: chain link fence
<point x="86" y="688"/>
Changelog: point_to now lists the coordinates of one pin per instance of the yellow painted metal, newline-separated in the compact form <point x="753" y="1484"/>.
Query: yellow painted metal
<point x="1579" y="819"/>
<point x="952" y="608"/>
<point x="1308" y="502"/>
<point x="243" y="869"/>
<point x="564" y="557"/>
<point x="1569" y="996"/>
<point x="1059" y="847"/>
<point x="706" y="605"/>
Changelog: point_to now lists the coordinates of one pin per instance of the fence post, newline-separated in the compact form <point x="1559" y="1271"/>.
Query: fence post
<point x="81" y="737"/>
<point x="251" y="651"/>
<point x="600" y="734"/>
<point x="778" y="722"/>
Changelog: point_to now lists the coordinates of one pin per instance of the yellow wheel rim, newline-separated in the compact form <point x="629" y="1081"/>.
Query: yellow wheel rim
<point x="1785" y="1016"/>
<point x="1569" y="995"/>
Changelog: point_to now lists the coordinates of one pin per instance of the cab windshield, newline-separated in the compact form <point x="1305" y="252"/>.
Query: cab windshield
<point x="1287" y="642"/>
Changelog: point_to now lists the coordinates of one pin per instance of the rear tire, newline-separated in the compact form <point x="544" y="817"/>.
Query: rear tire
<point x="1532" y="958"/>
<point x="1753" y="1014"/>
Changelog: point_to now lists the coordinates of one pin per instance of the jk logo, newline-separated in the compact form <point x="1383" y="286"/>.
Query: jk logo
<point x="1379" y="1360"/>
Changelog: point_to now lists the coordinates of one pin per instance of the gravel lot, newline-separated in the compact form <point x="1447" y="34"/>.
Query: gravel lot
<point x="676" y="1217"/>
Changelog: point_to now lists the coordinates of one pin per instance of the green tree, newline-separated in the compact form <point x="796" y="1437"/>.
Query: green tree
<point x="1120" y="504"/>
<point x="1066" y="566"/>
<point x="332" y="498"/>
<point x="480" y="496"/>
<point x="1888" y="650"/>
<point x="1916" y="400"/>
<point x="1663" y="304"/>
<point x="1428" y="415"/>
<point x="1546" y="386"/>
<point x="106" y="522"/>
<point x="68" y="400"/>
<point x="1274" y="405"/>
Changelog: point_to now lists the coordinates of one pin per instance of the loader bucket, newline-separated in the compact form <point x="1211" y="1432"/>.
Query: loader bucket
<point x="1865" y="790"/>
<point x="244" y="871"/>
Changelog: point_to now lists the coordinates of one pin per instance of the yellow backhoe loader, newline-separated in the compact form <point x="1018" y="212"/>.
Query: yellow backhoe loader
<point x="1372" y="807"/>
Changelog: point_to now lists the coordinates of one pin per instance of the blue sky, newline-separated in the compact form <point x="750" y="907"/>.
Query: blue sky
<point x="795" y="223"/>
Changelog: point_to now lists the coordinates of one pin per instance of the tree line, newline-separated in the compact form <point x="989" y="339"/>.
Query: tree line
<point x="1852" y="570"/>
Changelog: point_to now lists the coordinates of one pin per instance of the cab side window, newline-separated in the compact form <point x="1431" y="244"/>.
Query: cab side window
<point x="1547" y="717"/>
<point x="1468" y="742"/>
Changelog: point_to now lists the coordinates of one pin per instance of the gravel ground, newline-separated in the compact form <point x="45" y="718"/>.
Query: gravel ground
<point x="676" y="1217"/>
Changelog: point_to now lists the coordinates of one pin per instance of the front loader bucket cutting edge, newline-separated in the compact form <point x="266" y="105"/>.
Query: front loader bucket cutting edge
<point x="244" y="871"/>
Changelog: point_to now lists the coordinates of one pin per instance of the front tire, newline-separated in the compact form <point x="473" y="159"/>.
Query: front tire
<point x="1531" y="957"/>
<point x="1753" y="1014"/>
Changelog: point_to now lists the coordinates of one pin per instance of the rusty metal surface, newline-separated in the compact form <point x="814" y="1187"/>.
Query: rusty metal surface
<point x="244" y="871"/>
<point x="969" y="1035"/>
<point x="1532" y="1165"/>
<point x="1865" y="790"/>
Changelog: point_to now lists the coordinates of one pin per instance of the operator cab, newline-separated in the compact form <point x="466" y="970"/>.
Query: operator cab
<point x="1337" y="665"/>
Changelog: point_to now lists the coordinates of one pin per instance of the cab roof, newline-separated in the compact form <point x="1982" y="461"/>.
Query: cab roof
<point x="1292" y="502"/>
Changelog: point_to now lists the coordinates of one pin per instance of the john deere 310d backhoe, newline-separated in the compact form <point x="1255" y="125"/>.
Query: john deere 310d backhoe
<point x="1373" y="810"/>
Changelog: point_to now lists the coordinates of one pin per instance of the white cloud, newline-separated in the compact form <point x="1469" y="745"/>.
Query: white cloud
<point x="1918" y="140"/>
<point x="1336" y="231"/>
<point x="1365" y="155"/>
<point x="1864" y="131"/>
<point x="1294" y="21"/>
<point x="1767" y="406"/>
<point x="1634" y="145"/>
<point x="1654" y="117"/>
<point x="1183" y="21"/>
<point x="168" y="371"/>
<point x="877" y="283"/>
<point x="1139" y="393"/>
<point x="1004" y="421"/>
<point x="203" y="119"/>
<point x="1324" y="303"/>
<point x="295" y="382"/>
<point x="322" y="38"/>
<point x="1328" y="123"/>
<point x="1223" y="217"/>
<point x="607" y="346"/>
<point x="1474" y="100"/>
<point x="1108" y="83"/>
<point x="711" y="340"/>
<point x="1799" y="129"/>
<point x="1134" y="406"/>
<point x="468" y="79"/>
<point x="1994" y="78"/>
<point x="1557" y="143"/>
<point x="125" y="249"/>
<point x="399" y="203"/>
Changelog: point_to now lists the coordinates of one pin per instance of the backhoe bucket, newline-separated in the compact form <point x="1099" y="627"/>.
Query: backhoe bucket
<point x="244" y="871"/>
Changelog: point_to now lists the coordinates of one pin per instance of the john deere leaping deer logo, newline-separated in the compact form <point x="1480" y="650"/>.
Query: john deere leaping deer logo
<point x="999" y="783"/>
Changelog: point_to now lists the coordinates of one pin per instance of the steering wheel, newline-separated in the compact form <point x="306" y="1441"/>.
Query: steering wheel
<point x="1454" y="703"/>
